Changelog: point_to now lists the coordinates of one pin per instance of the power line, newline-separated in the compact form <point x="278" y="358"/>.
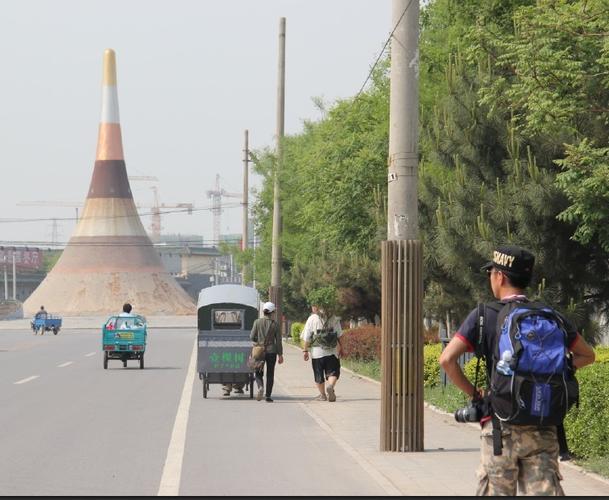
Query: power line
<point x="194" y="244"/>
<point x="109" y="217"/>
<point x="383" y="50"/>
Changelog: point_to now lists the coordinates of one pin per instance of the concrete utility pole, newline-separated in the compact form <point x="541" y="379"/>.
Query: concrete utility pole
<point x="14" y="278"/>
<point x="402" y="262"/>
<point x="244" y="242"/>
<point x="275" y="289"/>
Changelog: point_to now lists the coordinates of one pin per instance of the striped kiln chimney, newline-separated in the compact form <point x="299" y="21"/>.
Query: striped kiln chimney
<point x="109" y="259"/>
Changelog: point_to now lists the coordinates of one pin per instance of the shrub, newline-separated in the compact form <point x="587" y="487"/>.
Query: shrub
<point x="470" y="371"/>
<point x="295" y="332"/>
<point x="586" y="425"/>
<point x="431" y="364"/>
<point x="362" y="343"/>
<point x="602" y="354"/>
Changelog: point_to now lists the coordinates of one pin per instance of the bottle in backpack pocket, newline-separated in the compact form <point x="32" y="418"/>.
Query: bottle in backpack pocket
<point x="503" y="365"/>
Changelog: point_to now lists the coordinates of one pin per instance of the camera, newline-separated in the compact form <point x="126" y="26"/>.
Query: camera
<point x="472" y="412"/>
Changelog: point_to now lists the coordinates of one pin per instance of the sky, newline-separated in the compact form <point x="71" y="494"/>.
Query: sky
<point x="192" y="76"/>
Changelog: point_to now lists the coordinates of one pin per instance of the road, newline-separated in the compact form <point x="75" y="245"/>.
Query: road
<point x="69" y="427"/>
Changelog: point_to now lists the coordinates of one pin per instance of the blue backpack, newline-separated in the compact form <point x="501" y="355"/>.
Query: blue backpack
<point x="532" y="380"/>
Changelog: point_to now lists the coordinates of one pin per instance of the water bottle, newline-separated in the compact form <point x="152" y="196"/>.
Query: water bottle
<point x="503" y="366"/>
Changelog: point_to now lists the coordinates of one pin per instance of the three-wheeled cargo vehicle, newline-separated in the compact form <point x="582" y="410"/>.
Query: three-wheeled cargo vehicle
<point x="225" y="316"/>
<point x="124" y="338"/>
<point x="46" y="324"/>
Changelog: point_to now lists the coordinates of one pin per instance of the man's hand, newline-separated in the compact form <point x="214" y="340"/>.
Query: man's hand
<point x="280" y="359"/>
<point x="306" y="355"/>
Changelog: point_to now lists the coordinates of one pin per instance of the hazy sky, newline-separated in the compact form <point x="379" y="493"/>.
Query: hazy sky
<point x="192" y="76"/>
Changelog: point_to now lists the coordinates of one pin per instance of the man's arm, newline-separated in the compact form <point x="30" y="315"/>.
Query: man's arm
<point x="583" y="354"/>
<point x="305" y="338"/>
<point x="449" y="360"/>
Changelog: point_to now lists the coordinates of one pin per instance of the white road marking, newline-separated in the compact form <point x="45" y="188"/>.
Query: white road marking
<point x="67" y="363"/>
<point x="90" y="354"/>
<point x="172" y="471"/>
<point x="25" y="380"/>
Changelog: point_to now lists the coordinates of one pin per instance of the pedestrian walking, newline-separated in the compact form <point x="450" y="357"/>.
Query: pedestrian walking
<point x="521" y="413"/>
<point x="321" y="336"/>
<point x="265" y="332"/>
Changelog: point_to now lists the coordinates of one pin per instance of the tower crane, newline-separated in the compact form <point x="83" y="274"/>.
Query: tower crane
<point x="216" y="196"/>
<point x="155" y="223"/>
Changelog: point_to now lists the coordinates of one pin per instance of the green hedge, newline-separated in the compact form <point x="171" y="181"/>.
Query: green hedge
<point x="587" y="427"/>
<point x="431" y="364"/>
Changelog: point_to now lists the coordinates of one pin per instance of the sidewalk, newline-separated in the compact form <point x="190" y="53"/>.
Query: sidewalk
<point x="446" y="467"/>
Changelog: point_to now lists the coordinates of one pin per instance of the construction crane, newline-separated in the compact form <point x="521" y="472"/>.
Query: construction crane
<point x="155" y="220"/>
<point x="216" y="196"/>
<point x="156" y="207"/>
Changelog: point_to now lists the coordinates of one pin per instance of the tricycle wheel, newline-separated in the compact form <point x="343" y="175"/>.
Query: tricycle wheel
<point x="55" y="330"/>
<point x="205" y="386"/>
<point x="105" y="360"/>
<point x="142" y="362"/>
<point x="251" y="377"/>
<point x="124" y="363"/>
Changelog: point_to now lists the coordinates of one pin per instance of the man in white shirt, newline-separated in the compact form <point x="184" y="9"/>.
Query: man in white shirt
<point x="126" y="310"/>
<point x="322" y="337"/>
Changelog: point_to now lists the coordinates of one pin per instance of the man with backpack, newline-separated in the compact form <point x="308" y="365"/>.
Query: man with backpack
<point x="531" y="353"/>
<point x="322" y="335"/>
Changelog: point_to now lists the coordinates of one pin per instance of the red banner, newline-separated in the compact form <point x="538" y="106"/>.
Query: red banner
<point x="30" y="258"/>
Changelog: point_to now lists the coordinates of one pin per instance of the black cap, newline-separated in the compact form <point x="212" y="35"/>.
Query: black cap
<point x="512" y="260"/>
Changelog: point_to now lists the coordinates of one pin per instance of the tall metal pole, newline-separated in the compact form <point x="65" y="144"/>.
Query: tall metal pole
<point x="275" y="289"/>
<point x="244" y="242"/>
<point x="402" y="261"/>
<point x="14" y="278"/>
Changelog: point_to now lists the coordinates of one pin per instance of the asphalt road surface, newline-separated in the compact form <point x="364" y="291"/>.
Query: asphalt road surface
<point x="69" y="427"/>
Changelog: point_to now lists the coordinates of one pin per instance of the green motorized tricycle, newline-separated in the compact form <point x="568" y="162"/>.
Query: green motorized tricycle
<point x="124" y="338"/>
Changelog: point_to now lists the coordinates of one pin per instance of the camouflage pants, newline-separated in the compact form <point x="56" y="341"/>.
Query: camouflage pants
<point x="529" y="463"/>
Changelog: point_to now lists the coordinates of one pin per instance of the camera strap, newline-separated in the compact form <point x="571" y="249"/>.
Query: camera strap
<point x="479" y="348"/>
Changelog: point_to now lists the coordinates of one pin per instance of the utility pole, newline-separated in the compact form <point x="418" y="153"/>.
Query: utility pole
<point x="275" y="289"/>
<point x="402" y="256"/>
<point x="5" y="280"/>
<point x="14" y="278"/>
<point x="244" y="242"/>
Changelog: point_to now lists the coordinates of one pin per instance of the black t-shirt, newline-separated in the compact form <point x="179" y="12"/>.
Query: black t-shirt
<point x="468" y="331"/>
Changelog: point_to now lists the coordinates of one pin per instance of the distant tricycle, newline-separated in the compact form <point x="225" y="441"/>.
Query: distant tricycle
<point x="46" y="324"/>
<point x="124" y="338"/>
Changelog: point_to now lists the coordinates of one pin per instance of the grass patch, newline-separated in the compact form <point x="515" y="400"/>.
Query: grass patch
<point x="598" y="465"/>
<point x="370" y="369"/>
<point x="447" y="398"/>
